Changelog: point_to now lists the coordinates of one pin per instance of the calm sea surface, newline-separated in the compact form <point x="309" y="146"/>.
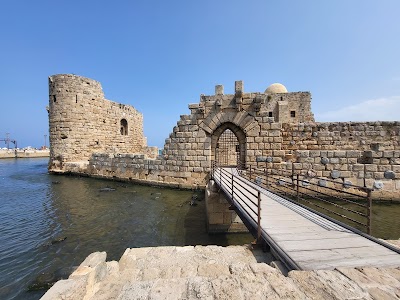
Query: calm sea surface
<point x="49" y="224"/>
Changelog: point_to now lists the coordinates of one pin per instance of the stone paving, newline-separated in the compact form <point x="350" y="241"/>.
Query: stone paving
<point x="213" y="272"/>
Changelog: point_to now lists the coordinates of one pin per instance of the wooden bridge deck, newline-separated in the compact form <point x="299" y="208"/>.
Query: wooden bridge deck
<point x="306" y="239"/>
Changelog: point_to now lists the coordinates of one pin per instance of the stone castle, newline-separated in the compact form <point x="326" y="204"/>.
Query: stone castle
<point x="82" y="122"/>
<point x="100" y="138"/>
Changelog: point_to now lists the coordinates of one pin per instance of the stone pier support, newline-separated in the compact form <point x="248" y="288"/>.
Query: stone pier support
<point x="220" y="218"/>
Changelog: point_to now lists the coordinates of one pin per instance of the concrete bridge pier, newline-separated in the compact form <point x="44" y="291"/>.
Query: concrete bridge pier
<point x="220" y="219"/>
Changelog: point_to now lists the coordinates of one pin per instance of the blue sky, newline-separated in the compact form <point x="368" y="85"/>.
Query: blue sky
<point x="159" y="56"/>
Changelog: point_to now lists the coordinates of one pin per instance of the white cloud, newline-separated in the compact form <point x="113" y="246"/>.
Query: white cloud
<point x="382" y="109"/>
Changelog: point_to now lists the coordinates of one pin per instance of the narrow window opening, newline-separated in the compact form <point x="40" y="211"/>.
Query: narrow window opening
<point x="124" y="127"/>
<point x="54" y="98"/>
<point x="292" y="113"/>
<point x="76" y="99"/>
<point x="270" y="114"/>
<point x="281" y="98"/>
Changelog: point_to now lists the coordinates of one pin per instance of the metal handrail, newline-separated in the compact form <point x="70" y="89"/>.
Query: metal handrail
<point x="292" y="185"/>
<point x="234" y="186"/>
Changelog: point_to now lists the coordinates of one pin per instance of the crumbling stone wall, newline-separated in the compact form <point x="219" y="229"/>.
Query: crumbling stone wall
<point x="82" y="121"/>
<point x="190" y="148"/>
<point x="275" y="126"/>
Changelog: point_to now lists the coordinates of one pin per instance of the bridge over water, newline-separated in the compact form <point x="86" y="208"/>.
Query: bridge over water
<point x="302" y="238"/>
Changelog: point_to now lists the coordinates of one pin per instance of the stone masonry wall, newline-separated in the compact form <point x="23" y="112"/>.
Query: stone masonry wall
<point x="82" y="121"/>
<point x="359" y="153"/>
<point x="279" y="126"/>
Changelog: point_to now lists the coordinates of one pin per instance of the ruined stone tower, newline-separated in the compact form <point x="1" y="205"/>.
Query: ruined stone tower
<point x="82" y="122"/>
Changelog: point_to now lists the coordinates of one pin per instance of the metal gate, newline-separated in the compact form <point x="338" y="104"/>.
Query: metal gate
<point x="227" y="152"/>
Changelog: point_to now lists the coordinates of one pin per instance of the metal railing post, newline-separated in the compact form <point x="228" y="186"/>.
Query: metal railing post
<point x="250" y="173"/>
<point x="369" y="212"/>
<point x="292" y="173"/>
<point x="259" y="217"/>
<point x="266" y="173"/>
<point x="232" y="186"/>
<point x="297" y="188"/>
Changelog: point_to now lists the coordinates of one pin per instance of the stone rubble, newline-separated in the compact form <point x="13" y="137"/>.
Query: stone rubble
<point x="213" y="272"/>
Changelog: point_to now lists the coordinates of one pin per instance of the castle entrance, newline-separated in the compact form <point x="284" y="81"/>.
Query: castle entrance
<point x="227" y="149"/>
<point x="228" y="145"/>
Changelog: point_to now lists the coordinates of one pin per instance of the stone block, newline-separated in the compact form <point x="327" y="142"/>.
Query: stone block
<point x="67" y="289"/>
<point x="371" y="168"/>
<point x="334" y="160"/>
<point x="358" y="167"/>
<point x="227" y="217"/>
<point x="276" y="126"/>
<point x="397" y="184"/>
<point x="396" y="169"/>
<point x="373" y="154"/>
<point x="302" y="153"/>
<point x="280" y="153"/>
<point x="94" y="259"/>
<point x="383" y="168"/>
<point x="353" y="154"/>
<point x="388" y="154"/>
<point x="318" y="167"/>
<point x="340" y="153"/>
<point x="297" y="166"/>
<point x="315" y="153"/>
<point x="216" y="218"/>
<point x="274" y="133"/>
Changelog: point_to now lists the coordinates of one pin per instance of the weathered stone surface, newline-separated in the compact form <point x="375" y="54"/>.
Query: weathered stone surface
<point x="67" y="289"/>
<point x="212" y="272"/>
<point x="87" y="135"/>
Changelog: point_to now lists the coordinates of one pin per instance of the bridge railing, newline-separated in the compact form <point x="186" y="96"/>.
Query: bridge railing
<point x="240" y="193"/>
<point x="340" y="199"/>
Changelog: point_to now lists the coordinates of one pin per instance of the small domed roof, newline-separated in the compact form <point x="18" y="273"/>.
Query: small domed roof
<point x="276" y="88"/>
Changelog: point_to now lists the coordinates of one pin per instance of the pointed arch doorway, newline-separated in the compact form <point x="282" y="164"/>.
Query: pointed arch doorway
<point x="228" y="145"/>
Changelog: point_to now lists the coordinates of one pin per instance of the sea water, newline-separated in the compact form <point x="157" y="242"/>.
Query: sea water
<point x="50" y="223"/>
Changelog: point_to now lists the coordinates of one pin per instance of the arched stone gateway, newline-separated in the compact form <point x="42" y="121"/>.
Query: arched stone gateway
<point x="228" y="145"/>
<point x="86" y="138"/>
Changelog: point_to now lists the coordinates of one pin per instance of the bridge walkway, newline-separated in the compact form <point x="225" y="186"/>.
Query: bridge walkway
<point x="302" y="239"/>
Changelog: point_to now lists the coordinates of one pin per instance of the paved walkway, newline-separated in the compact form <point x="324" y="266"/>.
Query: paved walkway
<point x="307" y="239"/>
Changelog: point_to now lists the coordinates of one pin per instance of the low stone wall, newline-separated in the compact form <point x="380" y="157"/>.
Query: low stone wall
<point x="138" y="168"/>
<point x="341" y="136"/>
<point x="378" y="170"/>
<point x="24" y="154"/>
<point x="212" y="272"/>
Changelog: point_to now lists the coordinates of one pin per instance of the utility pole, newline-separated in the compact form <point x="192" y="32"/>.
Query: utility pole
<point x="8" y="140"/>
